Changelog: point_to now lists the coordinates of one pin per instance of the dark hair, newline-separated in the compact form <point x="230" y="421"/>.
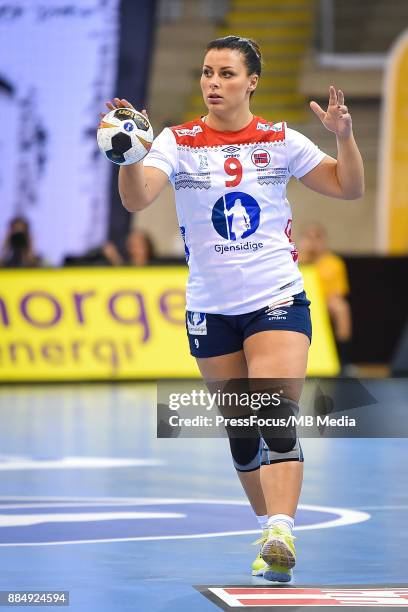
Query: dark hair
<point x="248" y="47"/>
<point x="20" y="221"/>
<point x="149" y="244"/>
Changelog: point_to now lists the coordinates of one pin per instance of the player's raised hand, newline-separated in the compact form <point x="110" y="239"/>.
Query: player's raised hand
<point x="336" y="118"/>
<point x="121" y="103"/>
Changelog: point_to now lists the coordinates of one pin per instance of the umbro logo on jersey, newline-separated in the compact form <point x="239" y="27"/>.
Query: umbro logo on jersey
<point x="230" y="149"/>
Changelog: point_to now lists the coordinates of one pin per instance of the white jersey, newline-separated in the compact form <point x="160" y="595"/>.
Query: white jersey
<point x="230" y="190"/>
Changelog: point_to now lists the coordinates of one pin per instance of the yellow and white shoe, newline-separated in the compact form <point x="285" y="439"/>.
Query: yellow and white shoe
<point x="279" y="554"/>
<point x="259" y="564"/>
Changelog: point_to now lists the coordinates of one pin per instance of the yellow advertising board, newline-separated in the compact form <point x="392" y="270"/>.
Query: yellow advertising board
<point x="392" y="206"/>
<point x="113" y="323"/>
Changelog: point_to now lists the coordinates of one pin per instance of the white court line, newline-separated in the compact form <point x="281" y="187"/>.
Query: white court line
<point x="402" y="507"/>
<point x="231" y="600"/>
<point x="25" y="520"/>
<point x="347" y="517"/>
<point x="69" y="463"/>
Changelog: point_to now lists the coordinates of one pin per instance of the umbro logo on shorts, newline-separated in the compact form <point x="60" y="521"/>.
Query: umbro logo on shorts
<point x="276" y="314"/>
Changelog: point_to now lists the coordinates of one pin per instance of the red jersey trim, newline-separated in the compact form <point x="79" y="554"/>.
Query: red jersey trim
<point x="197" y="134"/>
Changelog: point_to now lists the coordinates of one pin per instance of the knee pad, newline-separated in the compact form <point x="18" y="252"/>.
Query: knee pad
<point x="280" y="442"/>
<point x="269" y="456"/>
<point x="246" y="453"/>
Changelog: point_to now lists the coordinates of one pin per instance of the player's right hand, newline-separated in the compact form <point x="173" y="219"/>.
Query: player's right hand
<point x="121" y="103"/>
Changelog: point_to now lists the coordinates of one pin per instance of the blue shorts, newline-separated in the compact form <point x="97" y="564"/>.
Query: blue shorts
<point x="211" y="335"/>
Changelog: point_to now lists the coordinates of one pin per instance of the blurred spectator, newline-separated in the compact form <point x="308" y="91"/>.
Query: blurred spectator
<point x="105" y="255"/>
<point x="18" y="250"/>
<point x="139" y="251"/>
<point x="332" y="271"/>
<point x="139" y="248"/>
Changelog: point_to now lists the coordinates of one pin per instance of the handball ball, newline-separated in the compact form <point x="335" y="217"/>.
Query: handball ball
<point x="124" y="136"/>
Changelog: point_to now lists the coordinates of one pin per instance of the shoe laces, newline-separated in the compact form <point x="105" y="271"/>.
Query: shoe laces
<point x="274" y="531"/>
<point x="262" y="539"/>
<point x="281" y="532"/>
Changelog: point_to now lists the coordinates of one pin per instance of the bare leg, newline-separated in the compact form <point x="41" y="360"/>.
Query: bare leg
<point x="228" y="367"/>
<point x="281" y="485"/>
<point x="251" y="483"/>
<point x="280" y="354"/>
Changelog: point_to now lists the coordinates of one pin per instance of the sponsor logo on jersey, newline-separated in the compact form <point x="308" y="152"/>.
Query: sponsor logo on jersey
<point x="277" y="127"/>
<point x="197" y="323"/>
<point x="196" y="129"/>
<point x="268" y="127"/>
<point x="236" y="215"/>
<point x="265" y="127"/>
<point x="260" y="158"/>
<point x="240" y="246"/>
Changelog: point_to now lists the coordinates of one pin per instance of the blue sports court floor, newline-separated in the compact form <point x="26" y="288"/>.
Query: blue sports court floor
<point x="93" y="503"/>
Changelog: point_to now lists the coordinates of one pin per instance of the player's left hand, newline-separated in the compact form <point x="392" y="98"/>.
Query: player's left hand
<point x="336" y="119"/>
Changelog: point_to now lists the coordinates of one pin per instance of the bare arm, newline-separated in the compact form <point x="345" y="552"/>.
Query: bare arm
<point x="139" y="186"/>
<point x="344" y="177"/>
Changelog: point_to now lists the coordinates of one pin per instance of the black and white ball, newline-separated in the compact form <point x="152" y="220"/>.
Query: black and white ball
<point x="124" y="136"/>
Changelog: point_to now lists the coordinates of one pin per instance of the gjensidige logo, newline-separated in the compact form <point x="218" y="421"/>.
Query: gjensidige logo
<point x="236" y="215"/>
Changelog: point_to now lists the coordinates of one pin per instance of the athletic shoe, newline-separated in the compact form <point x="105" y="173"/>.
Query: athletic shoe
<point x="278" y="552"/>
<point x="259" y="564"/>
<point x="277" y="573"/>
